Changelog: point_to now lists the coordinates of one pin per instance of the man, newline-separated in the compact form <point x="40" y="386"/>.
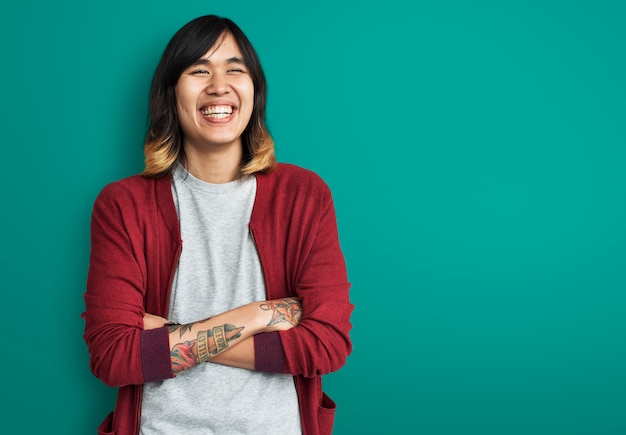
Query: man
<point x="209" y="337"/>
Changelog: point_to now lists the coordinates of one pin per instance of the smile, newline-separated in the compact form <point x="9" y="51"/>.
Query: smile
<point x="217" y="112"/>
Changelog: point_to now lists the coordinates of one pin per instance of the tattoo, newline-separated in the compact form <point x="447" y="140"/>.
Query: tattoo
<point x="183" y="356"/>
<point x="207" y="344"/>
<point x="215" y="340"/>
<point x="185" y="328"/>
<point x="286" y="310"/>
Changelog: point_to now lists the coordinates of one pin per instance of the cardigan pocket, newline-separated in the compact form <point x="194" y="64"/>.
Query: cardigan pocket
<point x="106" y="428"/>
<point x="326" y="415"/>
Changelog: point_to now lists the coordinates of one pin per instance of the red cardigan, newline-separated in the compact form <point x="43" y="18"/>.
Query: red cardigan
<point x="135" y="245"/>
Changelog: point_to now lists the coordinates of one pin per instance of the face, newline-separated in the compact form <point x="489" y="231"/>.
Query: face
<point x="215" y="97"/>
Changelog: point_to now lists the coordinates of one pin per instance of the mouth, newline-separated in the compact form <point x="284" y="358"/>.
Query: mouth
<point x="216" y="112"/>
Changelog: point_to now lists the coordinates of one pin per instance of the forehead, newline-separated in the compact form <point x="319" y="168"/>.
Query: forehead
<point x="226" y="47"/>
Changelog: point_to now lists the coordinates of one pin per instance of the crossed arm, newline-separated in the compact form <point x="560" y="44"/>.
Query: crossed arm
<point x="226" y="338"/>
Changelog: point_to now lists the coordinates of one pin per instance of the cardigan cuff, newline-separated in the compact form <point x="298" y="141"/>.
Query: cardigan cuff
<point x="155" y="354"/>
<point x="268" y="353"/>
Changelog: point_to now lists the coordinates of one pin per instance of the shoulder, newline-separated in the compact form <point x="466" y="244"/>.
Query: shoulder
<point x="132" y="183"/>
<point x="292" y="177"/>
<point x="131" y="190"/>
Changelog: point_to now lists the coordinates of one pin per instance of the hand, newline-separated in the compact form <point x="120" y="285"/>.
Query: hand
<point x="152" y="321"/>
<point x="286" y="313"/>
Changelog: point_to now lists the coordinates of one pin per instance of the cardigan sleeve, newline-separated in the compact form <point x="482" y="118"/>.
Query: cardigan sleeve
<point x="121" y="352"/>
<point x="321" y="342"/>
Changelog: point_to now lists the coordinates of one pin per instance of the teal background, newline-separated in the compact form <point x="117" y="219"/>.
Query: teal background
<point x="476" y="152"/>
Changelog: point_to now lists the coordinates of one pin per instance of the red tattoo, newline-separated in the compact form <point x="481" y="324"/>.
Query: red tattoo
<point x="286" y="310"/>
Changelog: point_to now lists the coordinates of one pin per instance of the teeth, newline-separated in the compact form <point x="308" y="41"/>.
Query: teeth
<point x="217" y="111"/>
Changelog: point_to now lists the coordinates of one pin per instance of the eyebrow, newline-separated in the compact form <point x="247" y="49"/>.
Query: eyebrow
<point x="207" y="61"/>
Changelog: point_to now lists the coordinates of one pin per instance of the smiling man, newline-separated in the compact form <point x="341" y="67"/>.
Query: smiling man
<point x="217" y="294"/>
<point x="214" y="100"/>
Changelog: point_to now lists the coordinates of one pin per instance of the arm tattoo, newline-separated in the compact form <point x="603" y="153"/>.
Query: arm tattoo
<point x="286" y="310"/>
<point x="184" y="328"/>
<point x="207" y="344"/>
<point x="183" y="356"/>
<point x="215" y="340"/>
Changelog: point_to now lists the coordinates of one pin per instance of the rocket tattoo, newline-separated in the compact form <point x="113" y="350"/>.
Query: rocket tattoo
<point x="207" y="344"/>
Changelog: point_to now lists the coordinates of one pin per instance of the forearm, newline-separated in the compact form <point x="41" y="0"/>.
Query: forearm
<point x="201" y="341"/>
<point x="241" y="356"/>
<point x="228" y="336"/>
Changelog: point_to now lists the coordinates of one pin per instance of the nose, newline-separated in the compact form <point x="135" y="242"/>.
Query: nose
<point x="218" y="85"/>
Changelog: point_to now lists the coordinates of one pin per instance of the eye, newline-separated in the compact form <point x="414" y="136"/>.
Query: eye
<point x="236" y="70"/>
<point x="200" y="72"/>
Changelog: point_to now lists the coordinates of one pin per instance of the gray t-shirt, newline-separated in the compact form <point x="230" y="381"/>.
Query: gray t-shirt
<point x="219" y="270"/>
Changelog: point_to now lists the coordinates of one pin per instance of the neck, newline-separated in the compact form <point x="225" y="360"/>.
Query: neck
<point x="214" y="166"/>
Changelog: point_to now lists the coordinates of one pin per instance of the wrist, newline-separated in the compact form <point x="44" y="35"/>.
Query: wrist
<point x="281" y="314"/>
<point x="254" y="318"/>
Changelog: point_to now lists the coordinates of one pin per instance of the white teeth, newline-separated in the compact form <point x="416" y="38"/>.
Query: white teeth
<point x="217" y="111"/>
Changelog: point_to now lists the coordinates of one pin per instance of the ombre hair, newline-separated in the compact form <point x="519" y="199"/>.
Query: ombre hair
<point x="163" y="145"/>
